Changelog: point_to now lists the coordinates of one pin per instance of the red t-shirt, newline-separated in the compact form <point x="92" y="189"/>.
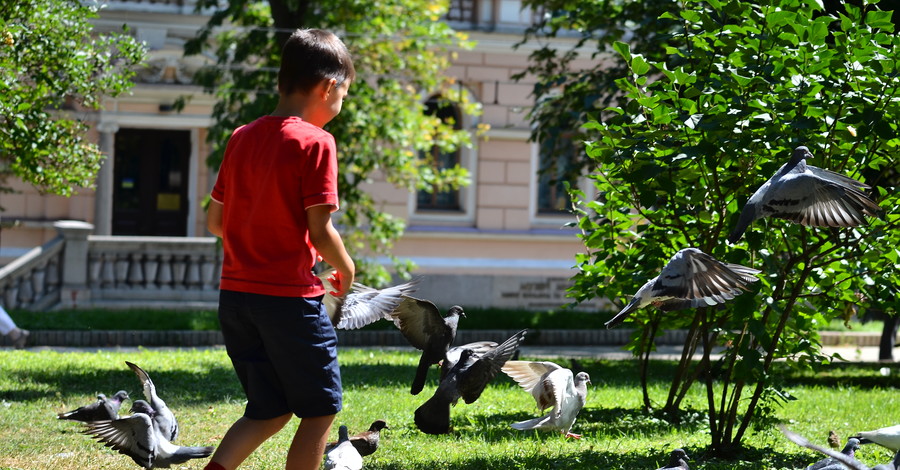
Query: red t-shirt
<point x="273" y="170"/>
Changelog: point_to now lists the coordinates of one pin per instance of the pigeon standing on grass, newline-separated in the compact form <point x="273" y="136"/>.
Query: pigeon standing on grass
<point x="809" y="196"/>
<point x="138" y="437"/>
<point x="888" y="437"/>
<point x="163" y="418"/>
<point x="466" y="379"/>
<point x="423" y="326"/>
<point x="551" y="386"/>
<point x="366" y="442"/>
<point x="343" y="456"/>
<point x="690" y="279"/>
<point x="677" y="461"/>
<point x="102" y="409"/>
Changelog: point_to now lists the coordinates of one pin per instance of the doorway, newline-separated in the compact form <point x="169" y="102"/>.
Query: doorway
<point x="150" y="182"/>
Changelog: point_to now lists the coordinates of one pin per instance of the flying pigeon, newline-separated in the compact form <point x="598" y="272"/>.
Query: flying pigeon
<point x="163" y="418"/>
<point x="102" y="409"/>
<point x="366" y="442"/>
<point x="808" y="196"/>
<point x="886" y="437"/>
<point x="466" y="379"/>
<point x="452" y="357"/>
<point x="829" y="462"/>
<point x="551" y="386"/>
<point x="364" y="304"/>
<point x="677" y="461"/>
<point x="423" y="326"/>
<point x="690" y="279"/>
<point x="137" y="437"/>
<point x="344" y="455"/>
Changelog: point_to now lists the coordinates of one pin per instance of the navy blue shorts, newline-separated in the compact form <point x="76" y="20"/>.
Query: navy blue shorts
<point x="284" y="350"/>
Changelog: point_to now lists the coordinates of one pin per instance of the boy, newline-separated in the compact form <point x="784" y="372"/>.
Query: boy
<point x="272" y="205"/>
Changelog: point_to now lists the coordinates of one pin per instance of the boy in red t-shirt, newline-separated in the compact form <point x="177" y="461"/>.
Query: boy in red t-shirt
<point x="272" y="205"/>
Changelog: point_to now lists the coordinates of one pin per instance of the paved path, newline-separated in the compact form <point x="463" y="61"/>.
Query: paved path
<point x="673" y="352"/>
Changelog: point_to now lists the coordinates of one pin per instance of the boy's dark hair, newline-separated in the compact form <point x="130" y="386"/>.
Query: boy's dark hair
<point x="310" y="56"/>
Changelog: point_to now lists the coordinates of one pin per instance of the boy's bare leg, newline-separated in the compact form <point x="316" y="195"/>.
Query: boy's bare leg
<point x="309" y="443"/>
<point x="244" y="436"/>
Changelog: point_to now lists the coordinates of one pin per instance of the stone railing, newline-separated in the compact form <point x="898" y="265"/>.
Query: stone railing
<point x="78" y="270"/>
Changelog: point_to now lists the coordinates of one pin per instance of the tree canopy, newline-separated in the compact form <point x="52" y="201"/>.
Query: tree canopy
<point x="401" y="49"/>
<point x="53" y="66"/>
<point x="700" y="104"/>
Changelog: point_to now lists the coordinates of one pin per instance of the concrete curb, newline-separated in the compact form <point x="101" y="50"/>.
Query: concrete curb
<point x="190" y="338"/>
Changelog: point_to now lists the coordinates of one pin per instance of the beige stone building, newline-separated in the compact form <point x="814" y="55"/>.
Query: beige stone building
<point x="498" y="242"/>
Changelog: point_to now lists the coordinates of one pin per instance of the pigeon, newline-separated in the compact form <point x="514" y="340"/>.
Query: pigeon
<point x="344" y="455"/>
<point x="422" y="325"/>
<point x="551" y="386"/>
<point x="452" y="357"/>
<point x="163" y="418"/>
<point x="886" y="437"/>
<point x="364" y="304"/>
<point x="103" y="409"/>
<point x="677" y="460"/>
<point x="469" y="374"/>
<point x="138" y="437"/>
<point x="690" y="279"/>
<point x="808" y="196"/>
<point x="842" y="459"/>
<point x="828" y="462"/>
<point x="366" y="442"/>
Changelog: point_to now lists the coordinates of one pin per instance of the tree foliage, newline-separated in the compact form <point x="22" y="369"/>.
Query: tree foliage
<point x="401" y="50"/>
<point x="51" y="62"/>
<point x="709" y="109"/>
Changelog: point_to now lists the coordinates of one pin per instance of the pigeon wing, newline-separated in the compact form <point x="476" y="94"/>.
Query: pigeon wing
<point x="131" y="435"/>
<point x="848" y="461"/>
<point x="475" y="378"/>
<point x="694" y="275"/>
<point x="365" y="305"/>
<point x="478" y="348"/>
<point x="420" y="321"/>
<point x="163" y="417"/>
<point x="529" y="375"/>
<point x="811" y="200"/>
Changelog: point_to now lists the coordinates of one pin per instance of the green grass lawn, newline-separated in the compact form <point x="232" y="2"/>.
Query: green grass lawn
<point x="199" y="385"/>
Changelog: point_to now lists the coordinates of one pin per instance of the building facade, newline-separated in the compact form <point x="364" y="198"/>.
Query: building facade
<point x="499" y="242"/>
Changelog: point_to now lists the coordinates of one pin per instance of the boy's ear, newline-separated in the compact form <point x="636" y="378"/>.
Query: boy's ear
<point x="327" y="86"/>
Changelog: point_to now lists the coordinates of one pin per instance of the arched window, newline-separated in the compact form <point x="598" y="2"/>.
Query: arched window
<point x="556" y="167"/>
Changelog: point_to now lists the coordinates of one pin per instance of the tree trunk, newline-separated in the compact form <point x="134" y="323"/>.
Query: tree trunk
<point x="888" y="337"/>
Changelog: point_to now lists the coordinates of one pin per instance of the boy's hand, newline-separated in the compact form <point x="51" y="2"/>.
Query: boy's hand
<point x="338" y="283"/>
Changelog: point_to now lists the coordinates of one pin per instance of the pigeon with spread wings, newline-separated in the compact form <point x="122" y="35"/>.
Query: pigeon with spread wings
<point x="809" y="196"/>
<point x="102" y="409"/>
<point x="690" y="279"/>
<point x="423" y="326"/>
<point x="364" y="304"/>
<point x="552" y="386"/>
<point x="163" y="418"/>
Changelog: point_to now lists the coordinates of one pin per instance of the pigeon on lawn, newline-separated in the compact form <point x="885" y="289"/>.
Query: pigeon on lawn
<point x="364" y="304"/>
<point x="828" y="462"/>
<point x="423" y="326"/>
<point x="846" y="460"/>
<point x="101" y="410"/>
<point x="466" y="379"/>
<point x="677" y="461"/>
<point x="886" y="437"/>
<point x="690" y="279"/>
<point x="808" y="196"/>
<point x="163" y="418"/>
<point x="344" y="455"/>
<point x="551" y="386"/>
<point x="137" y="437"/>
<point x="366" y="442"/>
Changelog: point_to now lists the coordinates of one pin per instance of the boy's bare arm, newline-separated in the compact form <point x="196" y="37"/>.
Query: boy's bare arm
<point x="214" y="218"/>
<point x="327" y="241"/>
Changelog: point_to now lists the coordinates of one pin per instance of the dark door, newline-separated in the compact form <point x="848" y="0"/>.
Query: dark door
<point x="151" y="176"/>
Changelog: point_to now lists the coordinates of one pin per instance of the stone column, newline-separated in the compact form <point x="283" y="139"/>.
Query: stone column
<point x="74" y="289"/>
<point x="103" y="195"/>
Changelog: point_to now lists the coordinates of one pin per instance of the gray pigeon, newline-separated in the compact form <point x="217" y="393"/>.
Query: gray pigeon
<point x="828" y="462"/>
<point x="677" y="461"/>
<point x="552" y="386"/>
<point x="466" y="379"/>
<point x="808" y="196"/>
<point x="163" y="418"/>
<point x="423" y="326"/>
<point x="366" y="442"/>
<point x="343" y="456"/>
<point x="102" y="409"/>
<point x="690" y="279"/>
<point x="137" y="437"/>
<point x="888" y="437"/>
<point x="364" y="304"/>
<point x="846" y="460"/>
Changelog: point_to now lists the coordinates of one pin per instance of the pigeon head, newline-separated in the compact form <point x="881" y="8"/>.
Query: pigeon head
<point x="679" y="454"/>
<point x="343" y="434"/>
<point x="581" y="378"/>
<point x="378" y="425"/>
<point x="851" y="447"/>
<point x="121" y="396"/>
<point x="800" y="153"/>
<point x="456" y="310"/>
<point x="141" y="406"/>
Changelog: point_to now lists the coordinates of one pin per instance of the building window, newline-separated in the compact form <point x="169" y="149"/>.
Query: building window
<point x="447" y="200"/>
<point x="556" y="167"/>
